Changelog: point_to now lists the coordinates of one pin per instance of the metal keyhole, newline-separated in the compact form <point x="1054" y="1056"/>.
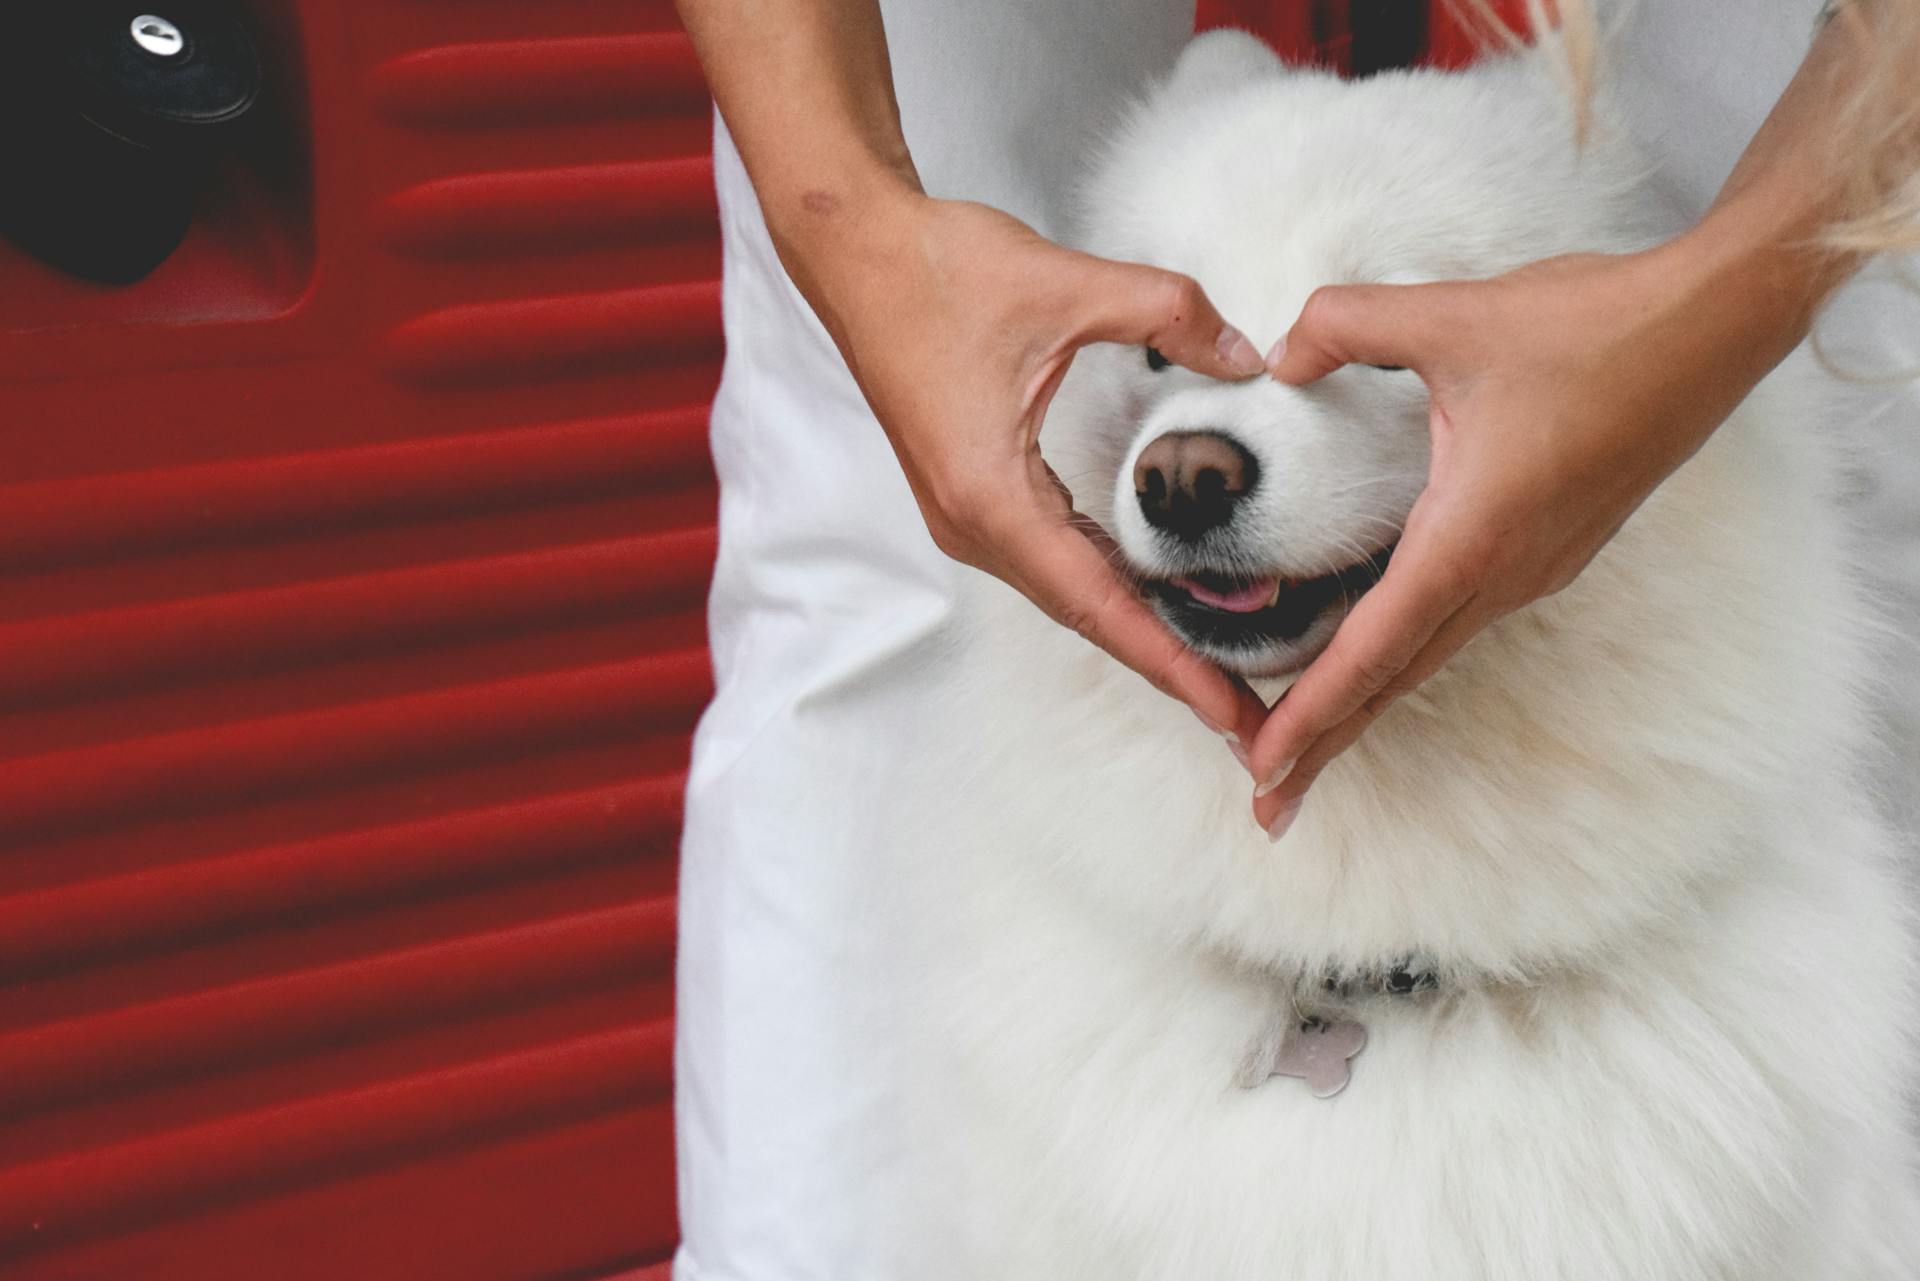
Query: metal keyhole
<point x="158" y="36"/>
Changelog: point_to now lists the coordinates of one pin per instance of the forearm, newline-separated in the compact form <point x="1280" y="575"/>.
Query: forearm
<point x="806" y="89"/>
<point x="1760" y="256"/>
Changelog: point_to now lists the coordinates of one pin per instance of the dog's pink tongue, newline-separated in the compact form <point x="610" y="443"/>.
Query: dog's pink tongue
<point x="1241" y="600"/>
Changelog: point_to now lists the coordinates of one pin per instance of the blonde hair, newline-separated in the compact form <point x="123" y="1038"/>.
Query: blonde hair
<point x="1876" y="151"/>
<point x="1881" y="126"/>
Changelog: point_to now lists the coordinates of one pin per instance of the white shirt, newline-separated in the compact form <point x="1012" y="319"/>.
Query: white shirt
<point x="829" y="595"/>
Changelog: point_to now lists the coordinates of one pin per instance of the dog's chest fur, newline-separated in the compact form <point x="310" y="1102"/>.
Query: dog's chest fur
<point x="1673" y="1038"/>
<point x="1709" y="1105"/>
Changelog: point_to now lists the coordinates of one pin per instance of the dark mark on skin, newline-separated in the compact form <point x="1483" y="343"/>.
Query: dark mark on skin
<point x="820" y="202"/>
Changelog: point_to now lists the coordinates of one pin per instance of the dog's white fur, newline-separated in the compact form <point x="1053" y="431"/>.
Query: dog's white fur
<point x="1673" y="1035"/>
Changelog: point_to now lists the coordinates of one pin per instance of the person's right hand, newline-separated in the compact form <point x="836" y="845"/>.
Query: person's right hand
<point x="958" y="323"/>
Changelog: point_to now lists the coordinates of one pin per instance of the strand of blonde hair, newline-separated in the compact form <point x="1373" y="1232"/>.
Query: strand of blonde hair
<point x="1876" y="152"/>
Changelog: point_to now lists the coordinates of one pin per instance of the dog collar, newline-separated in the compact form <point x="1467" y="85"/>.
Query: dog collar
<point x="1408" y="976"/>
<point x="1319" y="1048"/>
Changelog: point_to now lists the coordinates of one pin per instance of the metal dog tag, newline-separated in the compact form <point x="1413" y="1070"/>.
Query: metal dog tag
<point x="1318" y="1051"/>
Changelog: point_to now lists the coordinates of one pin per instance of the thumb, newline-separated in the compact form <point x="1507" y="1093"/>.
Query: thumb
<point x="1354" y="325"/>
<point x="1127" y="302"/>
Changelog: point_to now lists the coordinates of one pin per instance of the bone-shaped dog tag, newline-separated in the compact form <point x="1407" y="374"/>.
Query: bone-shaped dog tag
<point x="1318" y="1051"/>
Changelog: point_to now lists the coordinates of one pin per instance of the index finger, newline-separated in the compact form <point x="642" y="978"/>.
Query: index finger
<point x="1128" y="302"/>
<point x="1370" y="652"/>
<point x="1063" y="571"/>
<point x="1352" y="325"/>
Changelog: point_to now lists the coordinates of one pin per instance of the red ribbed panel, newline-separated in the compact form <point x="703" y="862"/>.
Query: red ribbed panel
<point x="349" y="650"/>
<point x="255" y="499"/>
<point x="538" y="338"/>
<point x="483" y="215"/>
<point x="509" y="82"/>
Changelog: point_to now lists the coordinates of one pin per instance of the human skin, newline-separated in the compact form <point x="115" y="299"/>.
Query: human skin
<point x="957" y="321"/>
<point x="1562" y="394"/>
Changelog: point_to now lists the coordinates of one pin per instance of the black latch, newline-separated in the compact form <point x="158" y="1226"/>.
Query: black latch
<point x="115" y="116"/>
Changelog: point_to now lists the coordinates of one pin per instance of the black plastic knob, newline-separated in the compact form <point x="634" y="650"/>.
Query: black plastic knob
<point x="114" y="116"/>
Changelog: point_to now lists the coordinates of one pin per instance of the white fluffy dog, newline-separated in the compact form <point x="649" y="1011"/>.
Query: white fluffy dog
<point x="1623" y="931"/>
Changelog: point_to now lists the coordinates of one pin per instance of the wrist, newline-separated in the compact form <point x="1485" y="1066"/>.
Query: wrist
<point x="1763" y="245"/>
<point x="1758" y="270"/>
<point x="826" y="219"/>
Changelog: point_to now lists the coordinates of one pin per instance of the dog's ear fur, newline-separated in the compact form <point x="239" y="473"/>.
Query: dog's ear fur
<point x="1219" y="61"/>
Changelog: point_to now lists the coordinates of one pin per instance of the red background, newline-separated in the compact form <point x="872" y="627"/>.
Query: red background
<point x="351" y="580"/>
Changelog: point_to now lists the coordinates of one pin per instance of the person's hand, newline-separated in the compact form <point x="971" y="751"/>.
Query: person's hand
<point x="1562" y="394"/>
<point x="958" y="323"/>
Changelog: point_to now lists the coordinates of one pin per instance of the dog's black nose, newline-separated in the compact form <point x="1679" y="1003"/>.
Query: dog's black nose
<point x="1189" y="481"/>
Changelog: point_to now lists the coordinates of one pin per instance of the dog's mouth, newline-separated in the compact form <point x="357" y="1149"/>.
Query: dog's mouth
<point x="1228" y="612"/>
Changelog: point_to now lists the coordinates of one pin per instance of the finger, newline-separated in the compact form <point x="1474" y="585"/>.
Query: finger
<point x="1462" y="627"/>
<point x="1424" y="586"/>
<point x="1069" y="577"/>
<point x="1249" y="711"/>
<point x="1129" y="303"/>
<point x="1355" y="324"/>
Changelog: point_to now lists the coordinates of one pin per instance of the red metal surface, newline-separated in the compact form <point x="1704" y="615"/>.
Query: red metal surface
<point x="351" y="572"/>
<point x="1318" y="31"/>
<point x="1455" y="37"/>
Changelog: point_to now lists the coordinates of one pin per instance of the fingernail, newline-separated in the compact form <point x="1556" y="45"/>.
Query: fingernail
<point x="1274" y="780"/>
<point x="1277" y="352"/>
<point x="1206" y="720"/>
<point x="1282" y="821"/>
<point x="1238" y="353"/>
<point x="1234" y="744"/>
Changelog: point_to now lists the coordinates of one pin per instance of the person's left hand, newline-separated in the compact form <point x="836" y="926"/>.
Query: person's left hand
<point x="1562" y="394"/>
